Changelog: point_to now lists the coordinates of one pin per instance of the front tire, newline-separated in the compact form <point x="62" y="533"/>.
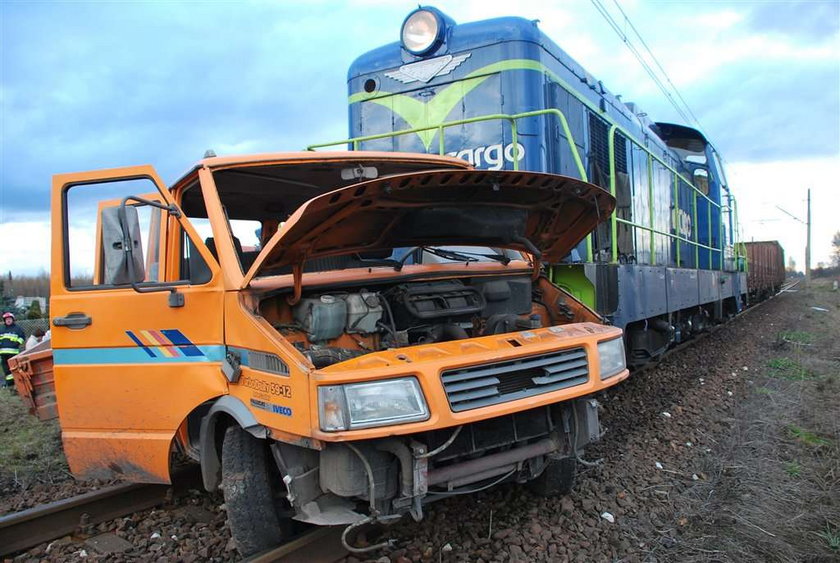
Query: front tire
<point x="557" y="479"/>
<point x="247" y="476"/>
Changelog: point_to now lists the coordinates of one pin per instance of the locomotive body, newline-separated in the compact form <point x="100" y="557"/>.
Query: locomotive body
<point x="501" y="95"/>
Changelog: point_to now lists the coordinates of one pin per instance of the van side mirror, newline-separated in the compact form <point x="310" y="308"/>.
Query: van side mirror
<point x="129" y="243"/>
<point x="122" y="247"/>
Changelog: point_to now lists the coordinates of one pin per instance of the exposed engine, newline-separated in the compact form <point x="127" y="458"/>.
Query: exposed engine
<point x="335" y="326"/>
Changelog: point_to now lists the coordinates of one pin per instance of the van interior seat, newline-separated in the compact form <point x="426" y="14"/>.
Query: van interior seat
<point x="246" y="259"/>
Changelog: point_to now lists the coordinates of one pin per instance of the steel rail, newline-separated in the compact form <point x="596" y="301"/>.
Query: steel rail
<point x="322" y="544"/>
<point x="28" y="528"/>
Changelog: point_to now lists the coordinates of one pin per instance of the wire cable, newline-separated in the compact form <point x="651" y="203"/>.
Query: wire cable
<point x="471" y="491"/>
<point x="647" y="68"/>
<point x="659" y="65"/>
<point x="443" y="446"/>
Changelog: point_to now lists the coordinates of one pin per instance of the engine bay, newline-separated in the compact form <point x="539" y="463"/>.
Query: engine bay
<point x="330" y="326"/>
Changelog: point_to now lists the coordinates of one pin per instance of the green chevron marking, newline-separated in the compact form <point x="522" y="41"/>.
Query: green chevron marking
<point x="420" y="114"/>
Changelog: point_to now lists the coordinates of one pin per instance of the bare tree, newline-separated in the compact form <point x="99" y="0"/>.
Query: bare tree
<point x="835" y="250"/>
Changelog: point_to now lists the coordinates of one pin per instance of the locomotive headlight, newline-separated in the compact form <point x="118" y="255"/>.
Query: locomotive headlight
<point x="375" y="403"/>
<point x="611" y="355"/>
<point x="421" y="31"/>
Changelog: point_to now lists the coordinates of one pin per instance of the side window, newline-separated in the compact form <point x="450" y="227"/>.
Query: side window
<point x="701" y="180"/>
<point x="247" y="233"/>
<point x="193" y="267"/>
<point x="93" y="238"/>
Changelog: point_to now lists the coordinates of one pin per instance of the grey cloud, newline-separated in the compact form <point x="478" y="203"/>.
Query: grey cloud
<point x="761" y="112"/>
<point x="91" y="88"/>
<point x="807" y="21"/>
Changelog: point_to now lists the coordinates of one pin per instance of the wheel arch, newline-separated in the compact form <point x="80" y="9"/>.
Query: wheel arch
<point x="223" y="412"/>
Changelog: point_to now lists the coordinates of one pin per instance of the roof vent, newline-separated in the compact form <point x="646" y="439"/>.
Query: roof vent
<point x="209" y="153"/>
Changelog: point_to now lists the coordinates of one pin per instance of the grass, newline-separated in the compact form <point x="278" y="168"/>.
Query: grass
<point x="797" y="336"/>
<point x="806" y="436"/>
<point x="793" y="468"/>
<point x="29" y="449"/>
<point x="764" y="391"/>
<point x="831" y="536"/>
<point x="787" y="368"/>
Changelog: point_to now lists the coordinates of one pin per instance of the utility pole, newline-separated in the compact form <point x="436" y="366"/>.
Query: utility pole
<point x="807" y="224"/>
<point x="808" y="244"/>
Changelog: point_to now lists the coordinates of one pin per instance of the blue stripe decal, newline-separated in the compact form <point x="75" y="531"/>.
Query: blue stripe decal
<point x="182" y="342"/>
<point x="140" y="343"/>
<point x="132" y="355"/>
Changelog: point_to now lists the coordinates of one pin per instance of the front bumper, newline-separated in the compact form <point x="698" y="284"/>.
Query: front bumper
<point x="501" y="354"/>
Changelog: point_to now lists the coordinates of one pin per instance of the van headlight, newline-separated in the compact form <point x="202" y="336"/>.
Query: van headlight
<point x="611" y="356"/>
<point x="374" y="403"/>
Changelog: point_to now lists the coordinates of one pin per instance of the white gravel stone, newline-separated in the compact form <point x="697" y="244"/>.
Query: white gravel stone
<point x="659" y="465"/>
<point x="608" y="517"/>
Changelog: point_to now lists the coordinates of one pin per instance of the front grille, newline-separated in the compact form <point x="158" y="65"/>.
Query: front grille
<point x="494" y="434"/>
<point x="489" y="384"/>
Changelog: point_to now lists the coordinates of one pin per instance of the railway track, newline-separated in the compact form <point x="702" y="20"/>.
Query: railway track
<point x="318" y="544"/>
<point x="26" y="529"/>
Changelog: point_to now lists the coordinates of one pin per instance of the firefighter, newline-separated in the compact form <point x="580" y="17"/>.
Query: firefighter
<point x="11" y="343"/>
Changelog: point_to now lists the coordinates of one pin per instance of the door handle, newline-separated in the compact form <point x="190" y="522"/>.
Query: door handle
<point x="73" y="320"/>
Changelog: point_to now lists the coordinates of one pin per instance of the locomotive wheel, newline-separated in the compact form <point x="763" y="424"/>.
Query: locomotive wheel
<point x="247" y="475"/>
<point x="557" y="478"/>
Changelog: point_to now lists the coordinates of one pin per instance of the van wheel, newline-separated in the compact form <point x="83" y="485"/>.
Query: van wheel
<point x="248" y="473"/>
<point x="557" y="478"/>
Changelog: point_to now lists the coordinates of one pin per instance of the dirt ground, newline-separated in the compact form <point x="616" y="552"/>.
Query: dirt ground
<point x="30" y="450"/>
<point x="727" y="451"/>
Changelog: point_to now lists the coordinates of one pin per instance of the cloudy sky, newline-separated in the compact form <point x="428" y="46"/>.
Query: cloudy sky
<point x="86" y="85"/>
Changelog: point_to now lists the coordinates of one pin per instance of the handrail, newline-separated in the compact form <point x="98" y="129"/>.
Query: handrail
<point x="695" y="192"/>
<point x="670" y="235"/>
<point x="511" y="118"/>
<point x="614" y="220"/>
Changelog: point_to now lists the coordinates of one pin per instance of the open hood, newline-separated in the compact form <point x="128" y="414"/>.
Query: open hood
<point x="501" y="209"/>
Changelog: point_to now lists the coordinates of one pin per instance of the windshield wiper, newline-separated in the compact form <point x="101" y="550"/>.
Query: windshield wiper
<point x="497" y="257"/>
<point x="457" y="256"/>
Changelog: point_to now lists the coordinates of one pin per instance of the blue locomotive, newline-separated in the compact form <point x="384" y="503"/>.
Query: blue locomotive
<point x="500" y="94"/>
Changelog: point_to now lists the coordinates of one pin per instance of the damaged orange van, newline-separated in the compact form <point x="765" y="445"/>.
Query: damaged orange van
<point x="337" y="338"/>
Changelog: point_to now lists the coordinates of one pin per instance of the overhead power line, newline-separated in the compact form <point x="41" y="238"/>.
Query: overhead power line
<point x="658" y="64"/>
<point x="685" y="111"/>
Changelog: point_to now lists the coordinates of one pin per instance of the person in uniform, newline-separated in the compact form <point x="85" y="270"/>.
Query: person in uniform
<point x="11" y="344"/>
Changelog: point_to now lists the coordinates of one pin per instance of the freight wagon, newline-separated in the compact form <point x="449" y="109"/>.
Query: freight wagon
<point x="766" y="268"/>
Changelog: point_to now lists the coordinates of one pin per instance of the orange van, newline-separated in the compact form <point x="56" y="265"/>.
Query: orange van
<point x="337" y="338"/>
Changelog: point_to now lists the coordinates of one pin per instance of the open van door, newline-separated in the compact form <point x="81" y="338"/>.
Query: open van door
<point x="135" y="346"/>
